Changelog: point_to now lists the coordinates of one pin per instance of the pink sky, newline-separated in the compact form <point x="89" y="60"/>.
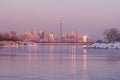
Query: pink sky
<point x="89" y="17"/>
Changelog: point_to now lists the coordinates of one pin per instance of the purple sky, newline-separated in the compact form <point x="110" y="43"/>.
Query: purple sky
<point x="89" y="17"/>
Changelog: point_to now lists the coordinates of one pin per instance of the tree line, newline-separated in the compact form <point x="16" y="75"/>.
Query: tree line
<point x="12" y="36"/>
<point x="112" y="35"/>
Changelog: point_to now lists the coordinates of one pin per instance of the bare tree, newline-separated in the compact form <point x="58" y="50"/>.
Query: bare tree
<point x="13" y="33"/>
<point x="6" y="37"/>
<point x="1" y="36"/>
<point x="111" y="35"/>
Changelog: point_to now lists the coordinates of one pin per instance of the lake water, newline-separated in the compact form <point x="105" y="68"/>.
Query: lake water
<point x="59" y="62"/>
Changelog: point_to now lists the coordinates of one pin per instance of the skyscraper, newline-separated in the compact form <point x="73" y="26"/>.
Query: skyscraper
<point x="34" y="32"/>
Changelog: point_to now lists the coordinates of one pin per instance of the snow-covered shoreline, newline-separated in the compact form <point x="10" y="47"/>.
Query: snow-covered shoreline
<point x="16" y="44"/>
<point x="115" y="45"/>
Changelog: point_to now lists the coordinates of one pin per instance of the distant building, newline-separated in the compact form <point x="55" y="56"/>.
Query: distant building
<point x="46" y="37"/>
<point x="61" y="34"/>
<point x="43" y="36"/>
<point x="51" y="37"/>
<point x="58" y="38"/>
<point x="28" y="35"/>
<point x="73" y="37"/>
<point x="84" y="38"/>
<point x="34" y="32"/>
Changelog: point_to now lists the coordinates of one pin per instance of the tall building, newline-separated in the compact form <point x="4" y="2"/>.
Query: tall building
<point x="85" y="38"/>
<point x="34" y="32"/>
<point x="75" y="36"/>
<point x="60" y="29"/>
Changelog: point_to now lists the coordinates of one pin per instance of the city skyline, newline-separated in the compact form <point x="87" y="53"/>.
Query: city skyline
<point x="88" y="17"/>
<point x="43" y="36"/>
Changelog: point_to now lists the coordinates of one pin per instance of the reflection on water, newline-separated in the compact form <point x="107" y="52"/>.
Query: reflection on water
<point x="74" y="59"/>
<point x="84" y="64"/>
<point x="51" y="48"/>
<point x="84" y="59"/>
<point x="32" y="56"/>
<point x="59" y="62"/>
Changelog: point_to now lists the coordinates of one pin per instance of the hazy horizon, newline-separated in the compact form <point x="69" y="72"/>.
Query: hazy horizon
<point x="90" y="17"/>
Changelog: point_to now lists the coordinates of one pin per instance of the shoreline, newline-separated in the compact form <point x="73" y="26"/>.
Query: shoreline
<point x="115" y="45"/>
<point x="17" y="43"/>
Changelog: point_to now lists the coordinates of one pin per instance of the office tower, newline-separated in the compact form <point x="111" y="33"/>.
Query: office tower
<point x="34" y="32"/>
<point x="85" y="38"/>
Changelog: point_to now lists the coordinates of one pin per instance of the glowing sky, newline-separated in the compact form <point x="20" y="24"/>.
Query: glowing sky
<point x="90" y="17"/>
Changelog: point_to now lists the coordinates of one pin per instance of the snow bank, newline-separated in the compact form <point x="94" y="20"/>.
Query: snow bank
<point x="17" y="44"/>
<point x="115" y="45"/>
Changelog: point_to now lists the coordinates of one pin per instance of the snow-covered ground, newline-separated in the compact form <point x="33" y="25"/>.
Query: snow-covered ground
<point x="115" y="45"/>
<point x="16" y="44"/>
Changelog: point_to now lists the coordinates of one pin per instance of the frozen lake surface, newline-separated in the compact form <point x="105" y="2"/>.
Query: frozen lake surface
<point x="59" y="62"/>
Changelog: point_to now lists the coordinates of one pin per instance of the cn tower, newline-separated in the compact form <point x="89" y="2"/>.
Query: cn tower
<point x="60" y="29"/>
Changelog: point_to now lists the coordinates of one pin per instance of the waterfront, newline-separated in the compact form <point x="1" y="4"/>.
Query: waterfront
<point x="59" y="62"/>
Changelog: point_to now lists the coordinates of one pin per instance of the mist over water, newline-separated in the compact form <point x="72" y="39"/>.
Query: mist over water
<point x="59" y="62"/>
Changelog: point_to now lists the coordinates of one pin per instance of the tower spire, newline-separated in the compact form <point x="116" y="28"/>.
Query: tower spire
<point x="60" y="29"/>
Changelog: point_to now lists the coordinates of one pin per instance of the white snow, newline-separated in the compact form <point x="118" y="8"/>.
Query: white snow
<point x="17" y="44"/>
<point x="115" y="45"/>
